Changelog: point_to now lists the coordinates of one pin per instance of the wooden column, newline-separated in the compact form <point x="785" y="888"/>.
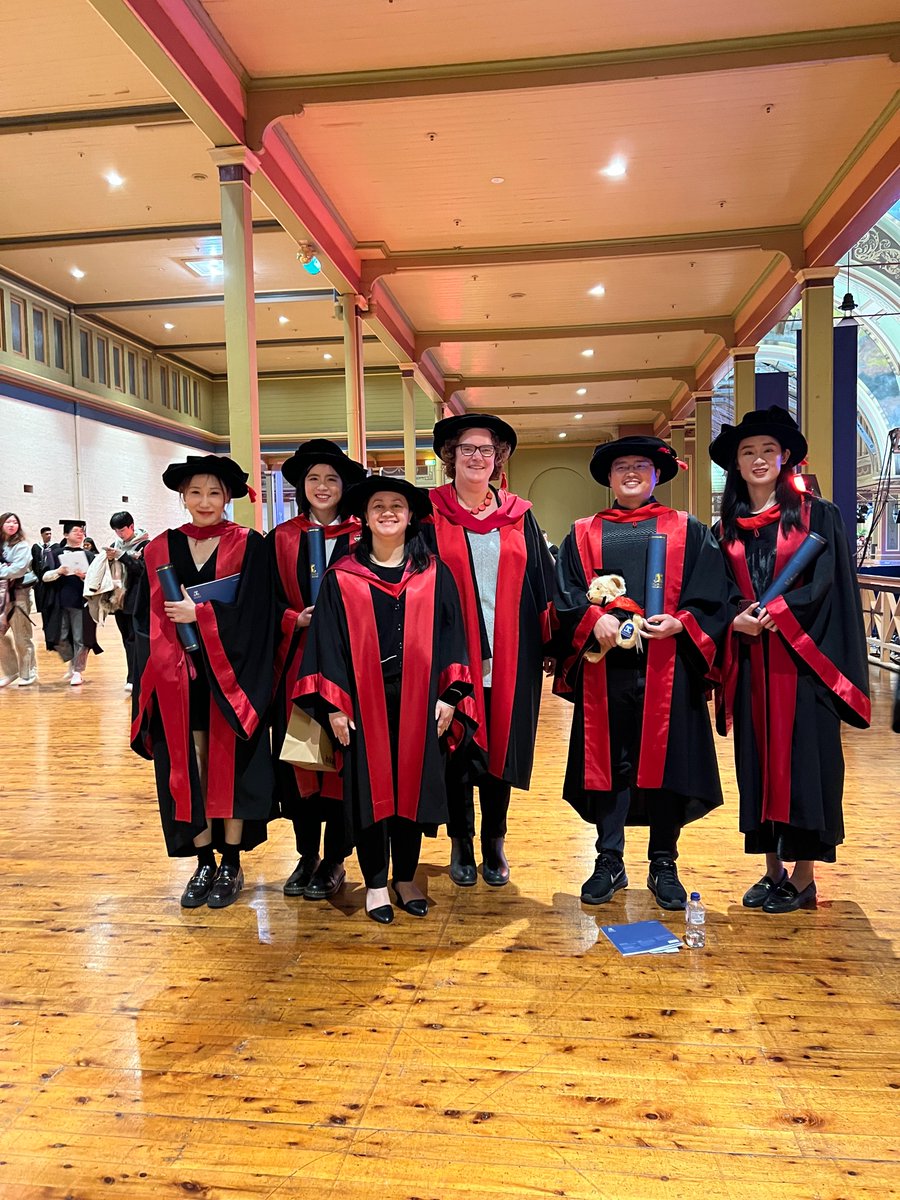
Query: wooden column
<point x="744" y="360"/>
<point x="679" y="488"/>
<point x="408" y="384"/>
<point x="236" y="165"/>
<point x="354" y="379"/>
<point x="817" y="372"/>
<point x="702" y="461"/>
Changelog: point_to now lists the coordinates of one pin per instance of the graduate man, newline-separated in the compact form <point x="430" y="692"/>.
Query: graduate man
<point x="641" y="748"/>
<point x="68" y="625"/>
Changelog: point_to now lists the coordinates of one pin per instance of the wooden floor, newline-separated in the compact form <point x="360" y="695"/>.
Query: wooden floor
<point x="287" y="1049"/>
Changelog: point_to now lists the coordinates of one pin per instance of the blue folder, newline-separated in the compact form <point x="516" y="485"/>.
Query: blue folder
<point x="224" y="590"/>
<point x="642" y="937"/>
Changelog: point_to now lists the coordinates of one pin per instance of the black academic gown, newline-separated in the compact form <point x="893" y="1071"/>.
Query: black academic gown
<point x="52" y="597"/>
<point x="341" y="670"/>
<point x="234" y="667"/>
<point x="788" y="694"/>
<point x="676" y="751"/>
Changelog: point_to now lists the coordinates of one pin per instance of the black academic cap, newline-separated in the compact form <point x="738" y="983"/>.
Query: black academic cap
<point x="69" y="525"/>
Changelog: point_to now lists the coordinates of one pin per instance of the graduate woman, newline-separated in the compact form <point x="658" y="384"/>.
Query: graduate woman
<point x="796" y="669"/>
<point x="198" y="713"/>
<point x="386" y="650"/>
<point x="320" y="471"/>
<point x="490" y="540"/>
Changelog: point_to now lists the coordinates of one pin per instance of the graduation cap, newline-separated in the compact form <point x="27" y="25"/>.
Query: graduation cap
<point x="69" y="525"/>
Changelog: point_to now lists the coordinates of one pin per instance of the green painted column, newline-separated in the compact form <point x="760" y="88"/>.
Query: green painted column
<point x="354" y="378"/>
<point x="408" y="385"/>
<point x="817" y="372"/>
<point x="744" y="360"/>
<point x="236" y="165"/>
<point x="702" y="463"/>
<point x="679" y="488"/>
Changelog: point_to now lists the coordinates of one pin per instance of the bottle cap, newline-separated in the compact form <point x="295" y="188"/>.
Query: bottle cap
<point x="695" y="895"/>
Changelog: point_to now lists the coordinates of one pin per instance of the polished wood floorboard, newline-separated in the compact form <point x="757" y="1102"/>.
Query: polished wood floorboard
<point x="285" y="1049"/>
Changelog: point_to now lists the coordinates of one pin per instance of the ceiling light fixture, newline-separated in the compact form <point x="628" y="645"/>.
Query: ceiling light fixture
<point x="306" y="257"/>
<point x="205" y="268"/>
<point x="328" y="357"/>
<point x="616" y="168"/>
<point x="579" y="416"/>
<point x="597" y="290"/>
<point x="114" y="179"/>
<point x="581" y="392"/>
<point x="283" y="320"/>
<point x="587" y="354"/>
<point x="168" y="325"/>
<point x="562" y="435"/>
<point x="77" y="273"/>
<point x="497" y="179"/>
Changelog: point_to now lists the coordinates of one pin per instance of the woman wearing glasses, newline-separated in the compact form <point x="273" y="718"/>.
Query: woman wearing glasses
<point x="489" y="539"/>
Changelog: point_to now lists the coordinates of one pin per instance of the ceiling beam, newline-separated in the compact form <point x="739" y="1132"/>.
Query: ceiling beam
<point x="786" y="240"/>
<point x="722" y="327"/>
<point x="271" y="99"/>
<point x="685" y="375"/>
<point x="211" y="301"/>
<point x="144" y="233"/>
<point x="164" y="113"/>
<point x="527" y="410"/>
<point x="268" y="343"/>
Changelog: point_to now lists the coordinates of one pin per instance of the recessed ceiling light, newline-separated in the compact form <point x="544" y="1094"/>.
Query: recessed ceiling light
<point x="581" y="392"/>
<point x="562" y="435"/>
<point x="579" y="416"/>
<point x="587" y="354"/>
<point x="598" y="290"/>
<point x="327" y="357"/>
<point x="77" y="273"/>
<point x="616" y="168"/>
<point x="516" y="295"/>
<point x="283" y="320"/>
<point x="114" y="179"/>
<point x="497" y="179"/>
<point x="206" y="268"/>
<point x="168" y="325"/>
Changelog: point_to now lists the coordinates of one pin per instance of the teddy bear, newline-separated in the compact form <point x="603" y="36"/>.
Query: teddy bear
<point x="605" y="590"/>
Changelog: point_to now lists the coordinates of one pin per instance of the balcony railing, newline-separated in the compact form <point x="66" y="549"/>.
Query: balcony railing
<point x="880" y="596"/>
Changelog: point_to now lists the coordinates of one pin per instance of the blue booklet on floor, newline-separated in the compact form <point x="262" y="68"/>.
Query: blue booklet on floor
<point x="642" y="937"/>
<point x="224" y="590"/>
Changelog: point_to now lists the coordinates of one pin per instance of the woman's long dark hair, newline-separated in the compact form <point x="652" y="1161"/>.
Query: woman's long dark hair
<point x="415" y="551"/>
<point x="736" y="502"/>
<point x="18" y="536"/>
<point x="302" y="501"/>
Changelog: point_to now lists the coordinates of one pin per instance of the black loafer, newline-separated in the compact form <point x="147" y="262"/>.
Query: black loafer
<point x="415" y="908"/>
<point x="298" y="880"/>
<point x="384" y="914"/>
<point x="463" y="870"/>
<point x="198" y="887"/>
<point x="327" y="879"/>
<point x="665" y="885"/>
<point x="228" y="883"/>
<point x="785" y="898"/>
<point x="756" y="896"/>
<point x="494" y="867"/>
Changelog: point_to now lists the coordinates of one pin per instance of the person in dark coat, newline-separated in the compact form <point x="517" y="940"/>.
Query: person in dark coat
<point x="128" y="550"/>
<point x="320" y="471"/>
<point x="69" y="627"/>
<point x="200" y="714"/>
<point x="641" y="748"/>
<point x="491" y="542"/>
<point x="796" y="670"/>
<point x="386" y="652"/>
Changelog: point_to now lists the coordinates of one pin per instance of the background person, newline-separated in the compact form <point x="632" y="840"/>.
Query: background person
<point x="127" y="549"/>
<point x="68" y="626"/>
<point x="17" y="658"/>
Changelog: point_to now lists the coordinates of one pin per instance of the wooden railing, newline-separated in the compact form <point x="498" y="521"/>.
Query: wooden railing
<point x="880" y="596"/>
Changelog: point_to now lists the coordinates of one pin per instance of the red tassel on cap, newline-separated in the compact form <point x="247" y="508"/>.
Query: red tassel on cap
<point x="682" y="466"/>
<point x="251" y="492"/>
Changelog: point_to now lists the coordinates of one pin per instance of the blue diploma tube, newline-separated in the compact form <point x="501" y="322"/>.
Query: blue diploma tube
<point x="316" y="547"/>
<point x="655" y="587"/>
<point x="807" y="552"/>
<point x="171" y="590"/>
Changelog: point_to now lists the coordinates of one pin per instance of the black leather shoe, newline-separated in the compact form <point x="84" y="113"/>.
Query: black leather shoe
<point x="463" y="870"/>
<point x="756" y="896"/>
<point x="327" y="879"/>
<point x="415" y="908"/>
<point x="494" y="867"/>
<point x="228" y="883"/>
<point x="785" y="898"/>
<point x="198" y="887"/>
<point x="298" y="880"/>
<point x="384" y="914"/>
<point x="608" y="878"/>
<point x="665" y="885"/>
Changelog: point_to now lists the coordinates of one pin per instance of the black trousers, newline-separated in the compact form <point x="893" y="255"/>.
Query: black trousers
<point x="308" y="822"/>
<point x="493" y="798"/>
<point x="125" y="623"/>
<point x="659" y="808"/>
<point x="394" y="840"/>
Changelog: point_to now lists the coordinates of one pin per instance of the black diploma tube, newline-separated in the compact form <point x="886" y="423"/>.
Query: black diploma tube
<point x="807" y="552"/>
<point x="655" y="587"/>
<point x="171" y="590"/>
<point x="316" y="547"/>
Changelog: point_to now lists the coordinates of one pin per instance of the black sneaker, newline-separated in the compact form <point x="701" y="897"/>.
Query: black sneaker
<point x="608" y="878"/>
<point x="665" y="885"/>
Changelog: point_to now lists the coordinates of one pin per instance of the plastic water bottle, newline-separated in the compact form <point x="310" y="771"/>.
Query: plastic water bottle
<point x="695" y="923"/>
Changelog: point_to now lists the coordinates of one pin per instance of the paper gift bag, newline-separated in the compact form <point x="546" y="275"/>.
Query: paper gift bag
<point x="307" y="744"/>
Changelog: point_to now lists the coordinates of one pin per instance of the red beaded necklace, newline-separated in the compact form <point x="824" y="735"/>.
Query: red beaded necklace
<point x="486" y="503"/>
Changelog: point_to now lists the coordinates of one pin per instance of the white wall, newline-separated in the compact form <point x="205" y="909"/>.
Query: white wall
<point x="38" y="447"/>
